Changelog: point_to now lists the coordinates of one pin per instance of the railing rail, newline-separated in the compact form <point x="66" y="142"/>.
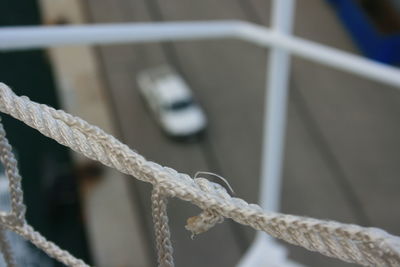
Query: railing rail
<point x="17" y="38"/>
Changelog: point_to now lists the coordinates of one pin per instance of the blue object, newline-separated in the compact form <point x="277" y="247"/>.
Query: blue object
<point x="375" y="45"/>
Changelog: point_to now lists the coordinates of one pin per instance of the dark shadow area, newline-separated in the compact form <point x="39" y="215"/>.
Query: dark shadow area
<point x="43" y="163"/>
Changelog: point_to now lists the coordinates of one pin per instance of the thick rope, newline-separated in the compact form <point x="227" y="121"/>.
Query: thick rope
<point x="209" y="217"/>
<point x="51" y="249"/>
<point x="15" y="220"/>
<point x="9" y="162"/>
<point x="6" y="249"/>
<point x="161" y="228"/>
<point x="351" y="243"/>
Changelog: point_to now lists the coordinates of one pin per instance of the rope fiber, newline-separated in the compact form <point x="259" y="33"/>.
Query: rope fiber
<point x="348" y="242"/>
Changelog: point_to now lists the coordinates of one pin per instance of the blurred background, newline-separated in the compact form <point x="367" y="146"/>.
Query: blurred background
<point x="342" y="142"/>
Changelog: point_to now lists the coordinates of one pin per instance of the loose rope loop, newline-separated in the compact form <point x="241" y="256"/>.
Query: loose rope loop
<point x="350" y="243"/>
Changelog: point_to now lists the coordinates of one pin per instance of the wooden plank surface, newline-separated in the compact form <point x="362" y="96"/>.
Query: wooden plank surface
<point x="333" y="139"/>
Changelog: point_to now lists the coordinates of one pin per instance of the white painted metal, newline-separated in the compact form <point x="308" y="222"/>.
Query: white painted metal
<point x="275" y="110"/>
<point x="47" y="36"/>
<point x="265" y="251"/>
<point x="12" y="38"/>
<point x="323" y="54"/>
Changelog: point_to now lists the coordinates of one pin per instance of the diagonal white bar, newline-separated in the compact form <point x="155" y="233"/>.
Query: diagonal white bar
<point x="324" y="54"/>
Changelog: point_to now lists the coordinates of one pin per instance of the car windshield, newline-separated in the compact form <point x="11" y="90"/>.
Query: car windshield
<point x="180" y="105"/>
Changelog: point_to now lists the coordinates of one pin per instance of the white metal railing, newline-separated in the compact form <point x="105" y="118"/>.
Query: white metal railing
<point x="15" y="38"/>
<point x="274" y="125"/>
<point x="282" y="44"/>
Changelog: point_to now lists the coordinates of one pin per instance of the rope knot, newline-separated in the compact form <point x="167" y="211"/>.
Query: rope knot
<point x="210" y="217"/>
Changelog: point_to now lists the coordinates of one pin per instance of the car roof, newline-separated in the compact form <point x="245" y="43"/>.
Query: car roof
<point x="165" y="83"/>
<point x="171" y="88"/>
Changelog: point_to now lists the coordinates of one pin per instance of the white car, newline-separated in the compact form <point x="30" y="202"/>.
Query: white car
<point x="171" y="102"/>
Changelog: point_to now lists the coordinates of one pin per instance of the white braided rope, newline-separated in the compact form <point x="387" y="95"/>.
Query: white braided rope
<point x="351" y="243"/>
<point x="161" y="228"/>
<point x="6" y="249"/>
<point x="15" y="220"/>
<point x="51" y="249"/>
<point x="17" y="215"/>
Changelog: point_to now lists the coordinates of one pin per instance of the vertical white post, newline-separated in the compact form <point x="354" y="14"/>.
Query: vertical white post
<point x="264" y="251"/>
<point x="275" y="109"/>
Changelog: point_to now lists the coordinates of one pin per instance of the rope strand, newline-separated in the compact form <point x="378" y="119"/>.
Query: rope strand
<point x="350" y="243"/>
<point x="161" y="229"/>
<point x="6" y="249"/>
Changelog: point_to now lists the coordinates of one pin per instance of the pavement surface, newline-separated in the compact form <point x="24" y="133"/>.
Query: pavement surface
<point x="341" y="160"/>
